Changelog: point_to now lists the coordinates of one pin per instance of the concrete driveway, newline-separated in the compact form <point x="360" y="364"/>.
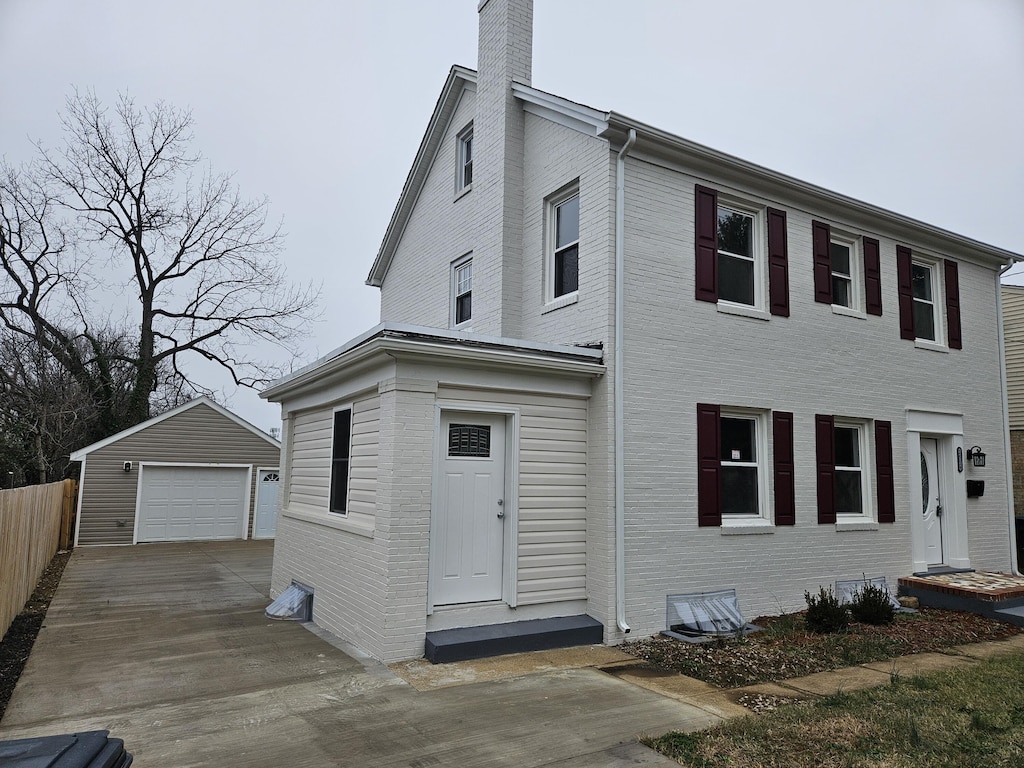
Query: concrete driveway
<point x="166" y="645"/>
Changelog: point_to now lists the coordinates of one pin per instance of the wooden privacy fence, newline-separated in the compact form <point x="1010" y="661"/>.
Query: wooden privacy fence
<point x="34" y="522"/>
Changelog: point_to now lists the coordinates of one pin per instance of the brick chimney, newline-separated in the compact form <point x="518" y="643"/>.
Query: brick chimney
<point x="505" y="54"/>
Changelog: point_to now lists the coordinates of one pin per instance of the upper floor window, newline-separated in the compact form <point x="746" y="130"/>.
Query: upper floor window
<point x="341" y="447"/>
<point x="563" y="257"/>
<point x="462" y="291"/>
<point x="847" y="270"/>
<point x="738" y="246"/>
<point x="737" y="269"/>
<point x="922" y="298"/>
<point x="464" y="167"/>
<point x="922" y="278"/>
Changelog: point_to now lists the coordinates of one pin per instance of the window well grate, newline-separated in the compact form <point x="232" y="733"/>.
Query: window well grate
<point x="294" y="604"/>
<point x="699" y="616"/>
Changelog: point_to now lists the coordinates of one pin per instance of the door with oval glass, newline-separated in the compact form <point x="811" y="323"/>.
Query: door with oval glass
<point x="931" y="500"/>
<point x="467" y="536"/>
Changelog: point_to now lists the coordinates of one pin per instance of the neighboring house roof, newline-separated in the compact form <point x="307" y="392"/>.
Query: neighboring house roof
<point x="81" y="453"/>
<point x="396" y="338"/>
<point x="615" y="128"/>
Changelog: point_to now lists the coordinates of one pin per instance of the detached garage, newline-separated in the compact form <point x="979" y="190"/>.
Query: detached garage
<point x="195" y="473"/>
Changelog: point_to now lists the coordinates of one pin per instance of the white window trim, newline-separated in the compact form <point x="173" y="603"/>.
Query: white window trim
<point x="937" y="301"/>
<point x="462" y="138"/>
<point x="552" y="302"/>
<point x="760" y="419"/>
<point x="465" y="325"/>
<point x="759" y="249"/>
<point x="867" y="512"/>
<point x="330" y="476"/>
<point x="853" y="243"/>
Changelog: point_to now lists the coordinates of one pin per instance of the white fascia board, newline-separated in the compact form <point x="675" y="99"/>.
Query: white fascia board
<point x="81" y="453"/>
<point x="571" y="114"/>
<point x="702" y="158"/>
<point x="459" y="78"/>
<point x="402" y="338"/>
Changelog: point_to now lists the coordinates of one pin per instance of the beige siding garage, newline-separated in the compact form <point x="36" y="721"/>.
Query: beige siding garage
<point x="199" y="432"/>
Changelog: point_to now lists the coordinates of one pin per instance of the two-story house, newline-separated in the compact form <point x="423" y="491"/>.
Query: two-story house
<point x="614" y="364"/>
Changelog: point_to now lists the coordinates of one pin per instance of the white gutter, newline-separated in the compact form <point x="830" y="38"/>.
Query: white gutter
<point x="1008" y="463"/>
<point x="620" y="454"/>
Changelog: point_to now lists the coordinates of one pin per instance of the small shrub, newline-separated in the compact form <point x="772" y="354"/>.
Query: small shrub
<point x="871" y="605"/>
<point x="825" y="613"/>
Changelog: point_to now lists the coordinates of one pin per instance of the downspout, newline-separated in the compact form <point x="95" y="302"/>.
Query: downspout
<point x="620" y="454"/>
<point x="1008" y="462"/>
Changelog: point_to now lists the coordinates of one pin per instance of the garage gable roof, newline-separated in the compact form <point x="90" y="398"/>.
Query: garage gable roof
<point x="81" y="453"/>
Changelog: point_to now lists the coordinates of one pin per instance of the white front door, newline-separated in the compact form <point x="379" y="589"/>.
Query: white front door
<point x="931" y="500"/>
<point x="265" y="524"/>
<point x="467" y="535"/>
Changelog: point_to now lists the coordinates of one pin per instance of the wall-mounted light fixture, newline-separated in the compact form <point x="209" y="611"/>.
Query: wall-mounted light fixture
<point x="977" y="457"/>
<point x="127" y="466"/>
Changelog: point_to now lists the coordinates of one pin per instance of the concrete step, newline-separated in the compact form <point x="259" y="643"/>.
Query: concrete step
<point x="465" y="643"/>
<point x="1014" y="615"/>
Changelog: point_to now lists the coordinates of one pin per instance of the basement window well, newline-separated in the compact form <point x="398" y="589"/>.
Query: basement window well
<point x="700" y="616"/>
<point x="294" y="604"/>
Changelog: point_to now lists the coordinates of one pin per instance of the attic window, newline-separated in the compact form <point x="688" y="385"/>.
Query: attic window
<point x="464" y="166"/>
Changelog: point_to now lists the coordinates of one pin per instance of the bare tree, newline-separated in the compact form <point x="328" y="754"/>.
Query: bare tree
<point x="126" y="210"/>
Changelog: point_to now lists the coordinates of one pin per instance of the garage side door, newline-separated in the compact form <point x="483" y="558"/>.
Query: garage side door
<point x="192" y="503"/>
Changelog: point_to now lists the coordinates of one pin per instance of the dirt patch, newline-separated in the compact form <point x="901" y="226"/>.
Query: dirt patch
<point x="21" y="636"/>
<point x="786" y="649"/>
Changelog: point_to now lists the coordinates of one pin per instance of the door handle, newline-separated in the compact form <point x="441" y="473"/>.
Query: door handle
<point x="501" y="504"/>
<point x="938" y="510"/>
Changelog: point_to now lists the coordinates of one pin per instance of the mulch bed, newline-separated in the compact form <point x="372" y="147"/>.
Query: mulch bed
<point x="21" y="636"/>
<point x="785" y="649"/>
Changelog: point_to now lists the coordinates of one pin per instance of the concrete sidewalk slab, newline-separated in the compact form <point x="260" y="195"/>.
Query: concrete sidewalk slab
<point x="167" y="646"/>
<point x="919" y="664"/>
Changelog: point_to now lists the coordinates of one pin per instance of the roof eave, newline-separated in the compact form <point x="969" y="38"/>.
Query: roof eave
<point x="397" y="340"/>
<point x="458" y="79"/>
<point x="702" y="159"/>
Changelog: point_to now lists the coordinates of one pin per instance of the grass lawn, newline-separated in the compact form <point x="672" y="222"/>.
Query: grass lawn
<point x="964" y="717"/>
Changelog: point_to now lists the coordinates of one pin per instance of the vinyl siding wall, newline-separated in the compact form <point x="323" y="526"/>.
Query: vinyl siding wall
<point x="1013" y="330"/>
<point x="552" y="485"/>
<point x="680" y="352"/>
<point x="199" y="435"/>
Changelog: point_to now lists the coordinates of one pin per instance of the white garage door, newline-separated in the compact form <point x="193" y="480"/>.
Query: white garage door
<point x="192" y="503"/>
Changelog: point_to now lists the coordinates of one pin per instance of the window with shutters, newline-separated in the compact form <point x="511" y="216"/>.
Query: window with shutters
<point x="341" y="450"/>
<point x="562" y="256"/>
<point x="844" y="449"/>
<point x="741" y="457"/>
<point x="462" y="293"/>
<point x="929" y="294"/>
<point x="847" y="271"/>
<point x="741" y="255"/>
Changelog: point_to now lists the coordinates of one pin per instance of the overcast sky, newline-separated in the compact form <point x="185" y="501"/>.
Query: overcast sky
<point x="913" y="105"/>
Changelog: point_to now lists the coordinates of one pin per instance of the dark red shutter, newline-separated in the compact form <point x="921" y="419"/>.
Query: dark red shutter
<point x="821" y="239"/>
<point x="709" y="507"/>
<point x="785" y="487"/>
<point x="706" y="224"/>
<point x="778" y="266"/>
<point x="825" y="442"/>
<point x="872" y="277"/>
<point x="883" y="470"/>
<point x="905" y="287"/>
<point x="953" y="305"/>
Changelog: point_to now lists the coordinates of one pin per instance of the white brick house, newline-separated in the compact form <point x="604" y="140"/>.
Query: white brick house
<point x="615" y="364"/>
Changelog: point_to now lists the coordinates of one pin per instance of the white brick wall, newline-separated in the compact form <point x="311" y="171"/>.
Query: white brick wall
<point x="680" y="352"/>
